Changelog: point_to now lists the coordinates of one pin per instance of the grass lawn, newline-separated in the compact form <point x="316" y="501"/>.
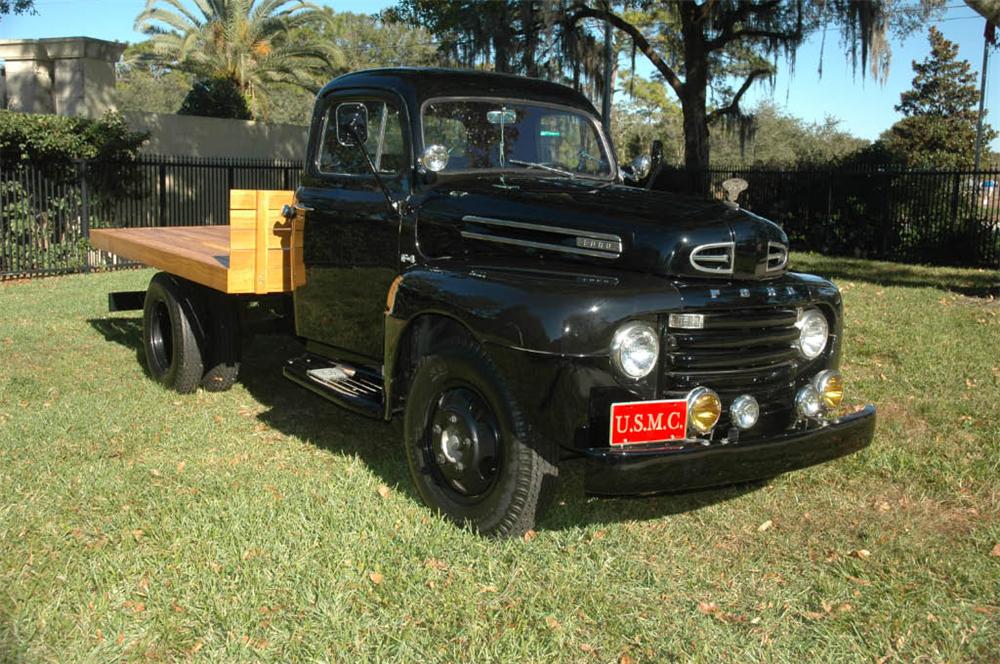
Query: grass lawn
<point x="266" y="524"/>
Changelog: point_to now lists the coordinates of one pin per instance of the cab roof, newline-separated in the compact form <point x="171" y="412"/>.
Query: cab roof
<point x="418" y="84"/>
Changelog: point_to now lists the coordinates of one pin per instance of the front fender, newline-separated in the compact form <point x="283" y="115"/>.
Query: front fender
<point x="555" y="311"/>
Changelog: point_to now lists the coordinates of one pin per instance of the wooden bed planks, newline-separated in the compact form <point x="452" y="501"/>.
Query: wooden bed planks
<point x="250" y="255"/>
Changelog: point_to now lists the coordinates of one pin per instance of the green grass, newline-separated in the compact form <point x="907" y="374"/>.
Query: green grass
<point x="139" y="524"/>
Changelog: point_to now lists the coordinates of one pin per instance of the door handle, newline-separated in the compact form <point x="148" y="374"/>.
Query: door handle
<point x="288" y="211"/>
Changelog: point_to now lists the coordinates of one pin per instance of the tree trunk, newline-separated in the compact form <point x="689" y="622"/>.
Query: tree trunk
<point x="693" y="100"/>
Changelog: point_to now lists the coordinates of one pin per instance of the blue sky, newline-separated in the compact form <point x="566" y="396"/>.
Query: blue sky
<point x="864" y="107"/>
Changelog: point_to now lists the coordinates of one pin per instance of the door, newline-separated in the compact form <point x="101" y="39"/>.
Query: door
<point x="350" y="250"/>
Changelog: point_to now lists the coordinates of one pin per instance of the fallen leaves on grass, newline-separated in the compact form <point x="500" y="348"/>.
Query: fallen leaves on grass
<point x="384" y="491"/>
<point x="553" y="624"/>
<point x="530" y="535"/>
<point x="764" y="526"/>
<point x="712" y="609"/>
<point x="376" y="578"/>
<point x="434" y="563"/>
<point x="137" y="607"/>
<point x="860" y="554"/>
<point x="995" y="551"/>
<point x="829" y="609"/>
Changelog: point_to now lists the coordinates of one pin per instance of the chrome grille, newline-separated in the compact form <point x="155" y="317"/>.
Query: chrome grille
<point x="739" y="351"/>
<point x="777" y="256"/>
<point x="716" y="258"/>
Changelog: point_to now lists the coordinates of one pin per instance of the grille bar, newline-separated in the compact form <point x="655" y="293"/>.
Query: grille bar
<point x="739" y="351"/>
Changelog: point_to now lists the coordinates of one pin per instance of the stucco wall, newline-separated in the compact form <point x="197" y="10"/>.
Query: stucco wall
<point x="194" y="136"/>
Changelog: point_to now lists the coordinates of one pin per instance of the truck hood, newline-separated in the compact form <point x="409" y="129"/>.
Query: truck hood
<point x="599" y="223"/>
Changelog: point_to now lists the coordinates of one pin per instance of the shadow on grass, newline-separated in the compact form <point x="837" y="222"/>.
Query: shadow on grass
<point x="968" y="282"/>
<point x="296" y="412"/>
<point x="123" y="331"/>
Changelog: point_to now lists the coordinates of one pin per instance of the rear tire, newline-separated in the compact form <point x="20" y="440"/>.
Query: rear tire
<point x="169" y="335"/>
<point x="222" y="362"/>
<point x="468" y="447"/>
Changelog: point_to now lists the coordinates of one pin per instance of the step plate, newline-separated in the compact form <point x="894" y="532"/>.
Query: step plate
<point x="355" y="387"/>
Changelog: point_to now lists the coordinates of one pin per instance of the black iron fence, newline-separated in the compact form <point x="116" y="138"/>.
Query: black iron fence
<point x="949" y="218"/>
<point x="936" y="217"/>
<point x="47" y="211"/>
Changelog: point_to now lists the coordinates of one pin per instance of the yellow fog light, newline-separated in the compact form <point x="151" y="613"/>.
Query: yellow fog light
<point x="704" y="409"/>
<point x="830" y="385"/>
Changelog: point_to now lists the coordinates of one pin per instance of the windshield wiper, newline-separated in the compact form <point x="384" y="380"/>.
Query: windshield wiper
<point x="544" y="167"/>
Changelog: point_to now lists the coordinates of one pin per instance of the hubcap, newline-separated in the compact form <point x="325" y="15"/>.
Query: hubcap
<point x="464" y="442"/>
<point x="161" y="338"/>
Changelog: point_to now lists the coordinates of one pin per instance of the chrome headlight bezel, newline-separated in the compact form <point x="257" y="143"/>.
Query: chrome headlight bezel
<point x="625" y="339"/>
<point x="812" y="325"/>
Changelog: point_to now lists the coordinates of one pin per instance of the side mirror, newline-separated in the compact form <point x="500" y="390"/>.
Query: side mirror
<point x="638" y="169"/>
<point x="641" y="166"/>
<point x="352" y="124"/>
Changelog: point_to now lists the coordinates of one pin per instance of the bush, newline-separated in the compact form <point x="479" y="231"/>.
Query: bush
<point x="216" y="98"/>
<point x="57" y="139"/>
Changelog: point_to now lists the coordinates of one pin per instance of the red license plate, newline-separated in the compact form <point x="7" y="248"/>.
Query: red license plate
<point x="639" y="422"/>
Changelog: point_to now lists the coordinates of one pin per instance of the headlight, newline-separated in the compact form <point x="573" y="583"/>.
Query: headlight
<point x="813" y="333"/>
<point x="704" y="409"/>
<point x="635" y="349"/>
<point x="830" y="386"/>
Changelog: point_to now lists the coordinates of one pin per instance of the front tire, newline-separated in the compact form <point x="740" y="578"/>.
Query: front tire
<point x="468" y="446"/>
<point x="169" y="325"/>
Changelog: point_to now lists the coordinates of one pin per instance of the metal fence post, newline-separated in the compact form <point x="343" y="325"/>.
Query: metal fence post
<point x="954" y="202"/>
<point x="163" y="193"/>
<point x="84" y="211"/>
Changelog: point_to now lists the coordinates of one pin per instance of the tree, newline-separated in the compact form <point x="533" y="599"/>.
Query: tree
<point x="364" y="42"/>
<point x="527" y="37"/>
<point x="145" y="86"/>
<point x="781" y="140"/>
<point x="938" y="129"/>
<point x="17" y="7"/>
<point x="699" y="47"/>
<point x="246" y="41"/>
<point x="216" y="98"/>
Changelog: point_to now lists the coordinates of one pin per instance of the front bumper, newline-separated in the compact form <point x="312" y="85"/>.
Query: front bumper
<point x="624" y="473"/>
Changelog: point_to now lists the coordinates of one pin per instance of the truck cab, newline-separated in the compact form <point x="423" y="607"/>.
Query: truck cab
<point x="466" y="254"/>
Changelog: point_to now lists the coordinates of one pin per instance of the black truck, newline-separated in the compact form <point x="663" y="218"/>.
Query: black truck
<point x="465" y="252"/>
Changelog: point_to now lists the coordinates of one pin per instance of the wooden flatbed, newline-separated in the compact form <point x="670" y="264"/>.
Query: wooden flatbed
<point x="252" y="255"/>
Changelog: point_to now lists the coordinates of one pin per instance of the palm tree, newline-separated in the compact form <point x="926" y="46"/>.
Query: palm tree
<point x="256" y="44"/>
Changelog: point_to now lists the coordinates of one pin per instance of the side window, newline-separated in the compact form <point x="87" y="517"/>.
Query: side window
<point x="384" y="146"/>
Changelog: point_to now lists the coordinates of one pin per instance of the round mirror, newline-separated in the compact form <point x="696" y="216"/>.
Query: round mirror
<point x="434" y="158"/>
<point x="641" y="166"/>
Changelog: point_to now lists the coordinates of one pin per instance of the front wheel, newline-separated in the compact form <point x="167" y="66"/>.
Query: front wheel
<point x="467" y="445"/>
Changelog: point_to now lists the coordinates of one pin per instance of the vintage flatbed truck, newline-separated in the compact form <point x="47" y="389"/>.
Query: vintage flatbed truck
<point x="465" y="252"/>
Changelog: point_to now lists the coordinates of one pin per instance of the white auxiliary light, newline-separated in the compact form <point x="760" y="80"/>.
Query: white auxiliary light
<point x="809" y="402"/>
<point x="744" y="412"/>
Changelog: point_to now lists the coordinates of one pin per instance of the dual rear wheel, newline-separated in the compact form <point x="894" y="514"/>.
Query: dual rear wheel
<point x="191" y="337"/>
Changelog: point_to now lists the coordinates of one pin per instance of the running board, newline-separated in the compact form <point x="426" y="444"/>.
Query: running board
<point x="354" y="387"/>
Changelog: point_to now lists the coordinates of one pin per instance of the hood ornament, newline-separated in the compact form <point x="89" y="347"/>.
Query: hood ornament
<point x="733" y="188"/>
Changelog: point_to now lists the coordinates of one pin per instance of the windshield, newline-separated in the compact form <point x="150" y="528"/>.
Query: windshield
<point x="493" y="134"/>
